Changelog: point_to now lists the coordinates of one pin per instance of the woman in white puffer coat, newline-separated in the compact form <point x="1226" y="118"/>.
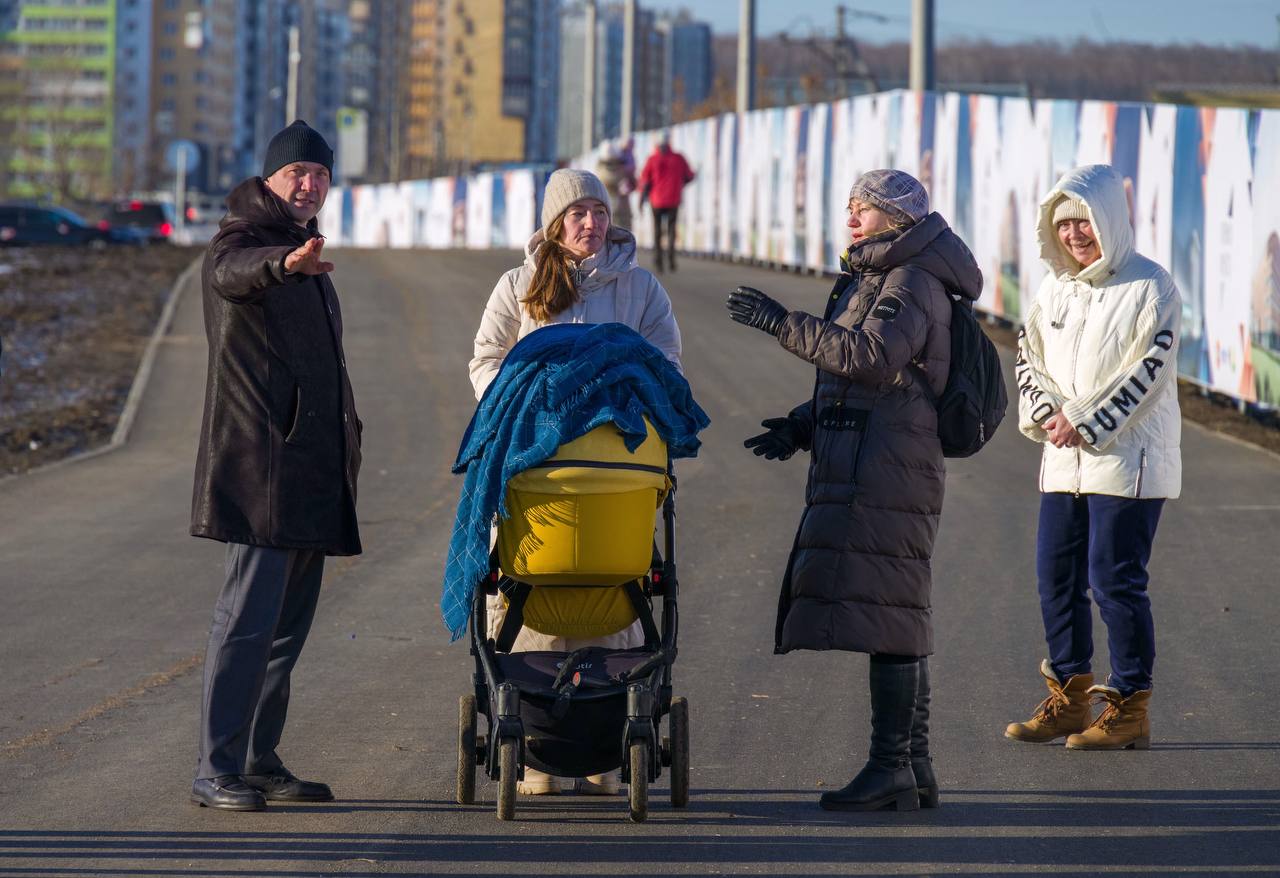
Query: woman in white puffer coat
<point x="578" y="268"/>
<point x="1097" y="379"/>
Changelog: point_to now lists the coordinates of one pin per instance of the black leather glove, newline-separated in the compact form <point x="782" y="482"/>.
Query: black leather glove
<point x="779" y="443"/>
<point x="754" y="308"/>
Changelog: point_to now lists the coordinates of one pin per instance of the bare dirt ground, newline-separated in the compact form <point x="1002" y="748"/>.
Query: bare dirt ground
<point x="74" y="323"/>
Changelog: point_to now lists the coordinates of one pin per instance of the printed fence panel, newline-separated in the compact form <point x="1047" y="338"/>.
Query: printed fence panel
<point x="773" y="185"/>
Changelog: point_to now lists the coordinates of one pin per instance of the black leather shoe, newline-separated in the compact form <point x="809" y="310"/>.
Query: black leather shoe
<point x="282" y="786"/>
<point x="228" y="792"/>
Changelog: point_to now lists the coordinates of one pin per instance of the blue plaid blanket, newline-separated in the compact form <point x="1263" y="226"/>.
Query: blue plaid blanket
<point x="556" y="384"/>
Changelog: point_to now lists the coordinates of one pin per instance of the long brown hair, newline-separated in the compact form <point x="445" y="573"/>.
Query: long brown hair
<point x="552" y="289"/>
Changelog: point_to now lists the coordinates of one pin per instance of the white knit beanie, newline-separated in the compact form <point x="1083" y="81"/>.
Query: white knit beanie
<point x="568" y="185"/>
<point x="1069" y="208"/>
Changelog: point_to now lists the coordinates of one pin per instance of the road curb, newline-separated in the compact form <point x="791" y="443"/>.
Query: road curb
<point x="143" y="375"/>
<point x="138" y="388"/>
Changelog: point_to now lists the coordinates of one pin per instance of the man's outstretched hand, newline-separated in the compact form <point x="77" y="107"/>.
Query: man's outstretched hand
<point x="306" y="259"/>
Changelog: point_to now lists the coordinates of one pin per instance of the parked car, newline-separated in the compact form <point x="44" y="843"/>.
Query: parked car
<point x="155" y="219"/>
<point x="205" y="209"/>
<point x="29" y="224"/>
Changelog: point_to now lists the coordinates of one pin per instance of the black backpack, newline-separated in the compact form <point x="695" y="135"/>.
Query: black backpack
<point x="972" y="404"/>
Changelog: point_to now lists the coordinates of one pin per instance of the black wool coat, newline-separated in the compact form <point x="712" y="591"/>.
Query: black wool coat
<point x="280" y="440"/>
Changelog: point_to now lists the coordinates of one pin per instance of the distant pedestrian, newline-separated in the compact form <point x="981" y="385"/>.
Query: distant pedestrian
<point x="276" y="473"/>
<point x="859" y="578"/>
<point x="619" y="177"/>
<point x="662" y="183"/>
<point x="1096" y="370"/>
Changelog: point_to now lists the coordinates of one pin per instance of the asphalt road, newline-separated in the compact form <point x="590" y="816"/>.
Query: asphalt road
<point x="105" y="604"/>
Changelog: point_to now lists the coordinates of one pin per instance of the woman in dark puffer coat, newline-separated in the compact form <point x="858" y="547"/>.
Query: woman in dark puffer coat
<point x="859" y="576"/>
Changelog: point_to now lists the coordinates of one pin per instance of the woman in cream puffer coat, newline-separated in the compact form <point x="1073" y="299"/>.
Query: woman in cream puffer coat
<point x="1097" y="378"/>
<point x="611" y="288"/>
<point x="585" y="273"/>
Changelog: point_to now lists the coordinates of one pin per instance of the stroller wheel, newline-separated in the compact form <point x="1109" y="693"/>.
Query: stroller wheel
<point x="679" y="751"/>
<point x="508" y="771"/>
<point x="639" y="789"/>
<point x="466" y="792"/>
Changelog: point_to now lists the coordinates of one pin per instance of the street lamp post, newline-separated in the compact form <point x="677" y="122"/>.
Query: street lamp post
<point x="295" y="57"/>
<point x="628" y="67"/>
<point x="747" y="56"/>
<point x="589" y="79"/>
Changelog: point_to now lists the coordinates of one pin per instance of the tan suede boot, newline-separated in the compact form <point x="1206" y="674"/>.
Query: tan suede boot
<point x="537" y="783"/>
<point x="1064" y="712"/>
<point x="1122" y="725"/>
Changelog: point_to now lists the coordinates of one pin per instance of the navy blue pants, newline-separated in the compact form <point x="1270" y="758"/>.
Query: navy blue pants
<point x="1105" y="542"/>
<point x="260" y="623"/>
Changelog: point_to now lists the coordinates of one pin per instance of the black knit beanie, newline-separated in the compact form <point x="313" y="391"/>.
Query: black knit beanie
<point x="297" y="143"/>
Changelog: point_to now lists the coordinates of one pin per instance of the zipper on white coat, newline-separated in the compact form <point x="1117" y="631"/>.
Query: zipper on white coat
<point x="1142" y="468"/>
<point x="1075" y="359"/>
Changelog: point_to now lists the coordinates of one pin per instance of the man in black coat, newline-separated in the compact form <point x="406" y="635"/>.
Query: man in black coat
<point x="276" y="473"/>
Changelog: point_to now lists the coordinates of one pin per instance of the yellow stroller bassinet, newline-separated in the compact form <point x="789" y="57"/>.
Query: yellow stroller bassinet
<point x="580" y="529"/>
<point x="577" y="558"/>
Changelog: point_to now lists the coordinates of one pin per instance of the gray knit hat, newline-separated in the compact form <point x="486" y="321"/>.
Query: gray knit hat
<point x="1069" y="208"/>
<point x="568" y="185"/>
<point x="897" y="193"/>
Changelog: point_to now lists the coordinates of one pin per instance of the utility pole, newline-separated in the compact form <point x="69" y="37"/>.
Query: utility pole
<point x="589" y="79"/>
<point x="295" y="56"/>
<point x="747" y="57"/>
<point x="628" y="67"/>
<point x="846" y="60"/>
<point x="1278" y="45"/>
<point x="922" y="78"/>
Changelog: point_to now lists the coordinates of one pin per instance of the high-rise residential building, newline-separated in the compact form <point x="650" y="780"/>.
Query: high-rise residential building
<point x="672" y="57"/>
<point x="263" y="53"/>
<point x="571" y="94"/>
<point x="652" y="74"/>
<point x="376" y="62"/>
<point x="262" y="98"/>
<point x="607" y="109"/>
<point x="323" y="36"/>
<point x="690" y="71"/>
<point x="57" y="66"/>
<point x="386" y="126"/>
<point x="419" y="152"/>
<point x="132" y="95"/>
<point x="543" y="79"/>
<point x="481" y="83"/>
<point x="486" y="80"/>
<point x="194" y="66"/>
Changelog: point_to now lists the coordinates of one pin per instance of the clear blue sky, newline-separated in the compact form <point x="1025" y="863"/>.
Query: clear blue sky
<point x="1152" y="21"/>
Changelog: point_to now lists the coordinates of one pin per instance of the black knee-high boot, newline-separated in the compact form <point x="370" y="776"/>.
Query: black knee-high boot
<point x="921" y="764"/>
<point x="886" y="780"/>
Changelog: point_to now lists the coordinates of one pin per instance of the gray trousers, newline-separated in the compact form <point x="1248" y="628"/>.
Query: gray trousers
<point x="260" y="623"/>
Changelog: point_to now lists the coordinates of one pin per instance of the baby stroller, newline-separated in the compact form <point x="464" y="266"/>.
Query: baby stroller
<point x="578" y="558"/>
